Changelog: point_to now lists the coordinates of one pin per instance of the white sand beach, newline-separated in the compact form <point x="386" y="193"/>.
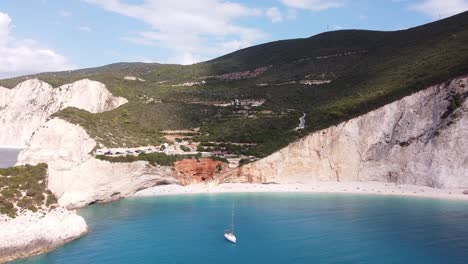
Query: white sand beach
<point x="319" y="187"/>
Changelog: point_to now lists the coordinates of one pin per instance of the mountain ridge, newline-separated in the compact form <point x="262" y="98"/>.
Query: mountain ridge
<point x="332" y="77"/>
<point x="459" y="18"/>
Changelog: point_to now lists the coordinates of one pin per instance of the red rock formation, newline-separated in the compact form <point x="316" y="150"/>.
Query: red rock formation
<point x="190" y="171"/>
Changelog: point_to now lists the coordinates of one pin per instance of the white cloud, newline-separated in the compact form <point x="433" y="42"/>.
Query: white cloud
<point x="190" y="29"/>
<point x="274" y="14"/>
<point x="84" y="29"/>
<point x="314" y="5"/>
<point x="441" y="8"/>
<point x="185" y="58"/>
<point x="18" y="57"/>
<point x="64" y="13"/>
<point x="5" y="21"/>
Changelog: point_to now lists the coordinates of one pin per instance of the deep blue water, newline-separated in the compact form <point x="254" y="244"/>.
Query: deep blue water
<point x="271" y="228"/>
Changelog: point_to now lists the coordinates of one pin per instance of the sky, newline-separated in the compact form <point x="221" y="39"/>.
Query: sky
<point x="55" y="35"/>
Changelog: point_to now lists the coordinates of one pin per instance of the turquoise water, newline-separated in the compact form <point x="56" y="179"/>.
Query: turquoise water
<point x="271" y="228"/>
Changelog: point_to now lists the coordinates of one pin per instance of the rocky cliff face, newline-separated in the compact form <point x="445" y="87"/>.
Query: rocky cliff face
<point x="34" y="233"/>
<point x="191" y="171"/>
<point x="79" y="179"/>
<point x="421" y="139"/>
<point x="26" y="107"/>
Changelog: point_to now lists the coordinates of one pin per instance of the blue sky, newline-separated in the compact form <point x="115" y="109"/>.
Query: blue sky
<point x="50" y="35"/>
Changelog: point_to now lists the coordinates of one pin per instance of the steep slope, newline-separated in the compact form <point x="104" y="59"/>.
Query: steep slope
<point x="421" y="140"/>
<point x="26" y="107"/>
<point x="31" y="221"/>
<point x="76" y="177"/>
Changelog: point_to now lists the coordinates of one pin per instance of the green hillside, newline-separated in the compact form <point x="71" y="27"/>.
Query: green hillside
<point x="25" y="188"/>
<point x="367" y="69"/>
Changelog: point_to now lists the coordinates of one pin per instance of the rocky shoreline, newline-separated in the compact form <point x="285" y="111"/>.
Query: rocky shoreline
<point x="399" y="149"/>
<point x="31" y="234"/>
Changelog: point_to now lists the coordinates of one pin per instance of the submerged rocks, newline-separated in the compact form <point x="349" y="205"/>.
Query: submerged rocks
<point x="420" y="139"/>
<point x="35" y="233"/>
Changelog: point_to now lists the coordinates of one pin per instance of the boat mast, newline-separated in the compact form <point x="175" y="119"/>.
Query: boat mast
<point x="232" y="223"/>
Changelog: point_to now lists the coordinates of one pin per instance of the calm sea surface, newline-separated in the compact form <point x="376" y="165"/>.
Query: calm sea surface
<point x="271" y="228"/>
<point x="8" y="157"/>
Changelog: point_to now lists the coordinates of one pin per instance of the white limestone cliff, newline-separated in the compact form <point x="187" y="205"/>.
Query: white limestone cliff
<point x="26" y="107"/>
<point x="35" y="233"/>
<point x="415" y="140"/>
<point x="76" y="177"/>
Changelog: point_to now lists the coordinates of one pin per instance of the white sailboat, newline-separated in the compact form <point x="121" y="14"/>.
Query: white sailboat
<point x="229" y="235"/>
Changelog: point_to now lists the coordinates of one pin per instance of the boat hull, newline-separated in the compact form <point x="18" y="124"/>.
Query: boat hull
<point x="230" y="237"/>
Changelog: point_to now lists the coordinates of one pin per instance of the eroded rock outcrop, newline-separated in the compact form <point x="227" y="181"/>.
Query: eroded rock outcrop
<point x="191" y="171"/>
<point x="76" y="177"/>
<point x="34" y="233"/>
<point x="26" y="107"/>
<point x="421" y="139"/>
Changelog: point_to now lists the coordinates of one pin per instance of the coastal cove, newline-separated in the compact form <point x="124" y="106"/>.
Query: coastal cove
<point x="347" y="146"/>
<point x="271" y="228"/>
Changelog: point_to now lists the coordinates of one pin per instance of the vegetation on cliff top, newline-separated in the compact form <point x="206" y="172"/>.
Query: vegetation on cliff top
<point x="25" y="188"/>
<point x="367" y="70"/>
<point x="152" y="158"/>
<point x="156" y="158"/>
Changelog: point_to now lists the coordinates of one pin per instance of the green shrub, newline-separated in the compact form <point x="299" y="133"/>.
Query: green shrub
<point x="10" y="193"/>
<point x="185" y="148"/>
<point x="32" y="207"/>
<point x="29" y="180"/>
<point x="153" y="158"/>
<point x="219" y="159"/>
<point x="243" y="162"/>
<point x="25" y="202"/>
<point x="7" y="208"/>
<point x="51" y="200"/>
